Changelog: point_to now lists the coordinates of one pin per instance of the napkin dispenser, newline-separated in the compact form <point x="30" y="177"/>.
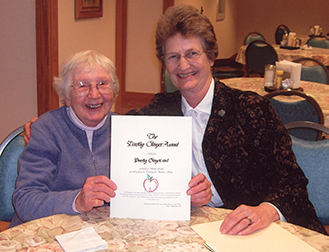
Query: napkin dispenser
<point x="291" y="70"/>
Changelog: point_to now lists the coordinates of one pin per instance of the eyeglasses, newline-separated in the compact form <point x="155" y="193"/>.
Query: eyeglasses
<point x="190" y="56"/>
<point x="83" y="88"/>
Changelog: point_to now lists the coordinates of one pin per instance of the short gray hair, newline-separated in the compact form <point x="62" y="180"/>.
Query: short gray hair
<point x="87" y="60"/>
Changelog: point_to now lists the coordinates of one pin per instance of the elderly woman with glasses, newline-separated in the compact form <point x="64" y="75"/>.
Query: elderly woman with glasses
<point x="242" y="156"/>
<point x="65" y="166"/>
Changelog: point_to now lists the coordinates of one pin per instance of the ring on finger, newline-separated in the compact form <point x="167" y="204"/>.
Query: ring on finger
<point x="250" y="221"/>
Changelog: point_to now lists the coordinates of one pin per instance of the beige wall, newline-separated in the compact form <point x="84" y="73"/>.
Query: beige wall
<point x="143" y="69"/>
<point x="17" y="64"/>
<point x="225" y="30"/>
<point x="268" y="15"/>
<point x="83" y="34"/>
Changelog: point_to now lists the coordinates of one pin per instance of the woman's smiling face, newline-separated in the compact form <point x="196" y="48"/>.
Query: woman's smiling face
<point x="187" y="75"/>
<point x="92" y="108"/>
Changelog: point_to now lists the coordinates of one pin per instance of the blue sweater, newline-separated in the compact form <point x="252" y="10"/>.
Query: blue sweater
<point x="55" y="164"/>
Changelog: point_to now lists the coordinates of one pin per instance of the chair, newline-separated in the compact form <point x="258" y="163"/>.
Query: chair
<point x="227" y="68"/>
<point x="316" y="73"/>
<point x="307" y="125"/>
<point x="252" y="36"/>
<point x="318" y="41"/>
<point x="166" y="83"/>
<point x="280" y="31"/>
<point x="306" y="109"/>
<point x="258" y="54"/>
<point x="312" y="157"/>
<point x="10" y="150"/>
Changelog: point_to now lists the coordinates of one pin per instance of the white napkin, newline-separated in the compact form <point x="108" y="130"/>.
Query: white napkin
<point x="83" y="240"/>
<point x="295" y="69"/>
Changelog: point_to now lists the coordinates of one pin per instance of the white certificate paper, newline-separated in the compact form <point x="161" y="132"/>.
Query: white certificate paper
<point x="151" y="164"/>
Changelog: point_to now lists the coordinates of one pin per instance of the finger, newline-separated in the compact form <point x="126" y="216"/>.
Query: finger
<point x="197" y="180"/>
<point x="101" y="179"/>
<point x="27" y="130"/>
<point x="249" y="229"/>
<point x="233" y="218"/>
<point x="204" y="194"/>
<point x="201" y="198"/>
<point x="200" y="188"/>
<point x="100" y="195"/>
<point x="197" y="202"/>
<point x="26" y="140"/>
<point x="84" y="203"/>
<point x="202" y="185"/>
<point x="99" y="187"/>
<point x="241" y="226"/>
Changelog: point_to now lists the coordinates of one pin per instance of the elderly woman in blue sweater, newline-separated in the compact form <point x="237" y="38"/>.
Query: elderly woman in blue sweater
<point x="65" y="166"/>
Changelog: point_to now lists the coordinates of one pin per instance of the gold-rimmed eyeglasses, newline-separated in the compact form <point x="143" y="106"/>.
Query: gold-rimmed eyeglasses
<point x="83" y="88"/>
<point x="190" y="55"/>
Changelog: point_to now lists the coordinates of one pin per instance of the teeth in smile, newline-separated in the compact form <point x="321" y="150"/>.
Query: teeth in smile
<point x="94" y="106"/>
<point x="186" y="75"/>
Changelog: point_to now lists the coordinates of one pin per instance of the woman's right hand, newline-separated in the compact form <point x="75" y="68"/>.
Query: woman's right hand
<point x="27" y="130"/>
<point x="200" y="190"/>
<point x="94" y="192"/>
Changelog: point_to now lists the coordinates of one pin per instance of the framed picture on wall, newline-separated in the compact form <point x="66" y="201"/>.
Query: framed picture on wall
<point x="220" y="15"/>
<point x="88" y="9"/>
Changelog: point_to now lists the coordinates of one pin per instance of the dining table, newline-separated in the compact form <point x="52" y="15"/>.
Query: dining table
<point x="320" y="92"/>
<point x="320" y="54"/>
<point x="131" y="234"/>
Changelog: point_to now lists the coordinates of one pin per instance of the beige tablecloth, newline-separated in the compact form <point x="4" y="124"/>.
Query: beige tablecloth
<point x="320" y="54"/>
<point x="320" y="92"/>
<point x="129" y="234"/>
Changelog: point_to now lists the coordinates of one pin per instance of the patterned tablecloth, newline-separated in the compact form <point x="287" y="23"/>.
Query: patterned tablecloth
<point x="129" y="234"/>
<point x="320" y="54"/>
<point x="320" y="92"/>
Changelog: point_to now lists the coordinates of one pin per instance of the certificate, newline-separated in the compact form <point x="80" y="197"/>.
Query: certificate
<point x="151" y="163"/>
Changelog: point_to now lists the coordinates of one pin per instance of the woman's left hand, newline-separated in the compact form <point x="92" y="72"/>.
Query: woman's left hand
<point x="246" y="219"/>
<point x="95" y="191"/>
<point x="200" y="190"/>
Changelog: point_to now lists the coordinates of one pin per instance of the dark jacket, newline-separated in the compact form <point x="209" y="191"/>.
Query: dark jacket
<point x="248" y="154"/>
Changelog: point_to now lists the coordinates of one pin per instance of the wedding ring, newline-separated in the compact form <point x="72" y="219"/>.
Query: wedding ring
<point x="250" y="221"/>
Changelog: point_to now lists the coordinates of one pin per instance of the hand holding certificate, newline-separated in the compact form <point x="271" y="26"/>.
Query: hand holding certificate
<point x="151" y="162"/>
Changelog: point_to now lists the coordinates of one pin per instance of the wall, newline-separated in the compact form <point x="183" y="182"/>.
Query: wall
<point x="242" y="17"/>
<point x="265" y="16"/>
<point x="225" y="30"/>
<point x="143" y="69"/>
<point x="17" y="65"/>
<point x="84" y="34"/>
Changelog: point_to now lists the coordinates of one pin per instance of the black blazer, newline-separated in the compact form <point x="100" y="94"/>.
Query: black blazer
<point x="247" y="152"/>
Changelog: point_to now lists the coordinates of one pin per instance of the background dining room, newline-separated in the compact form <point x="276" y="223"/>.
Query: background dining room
<point x="142" y="76"/>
